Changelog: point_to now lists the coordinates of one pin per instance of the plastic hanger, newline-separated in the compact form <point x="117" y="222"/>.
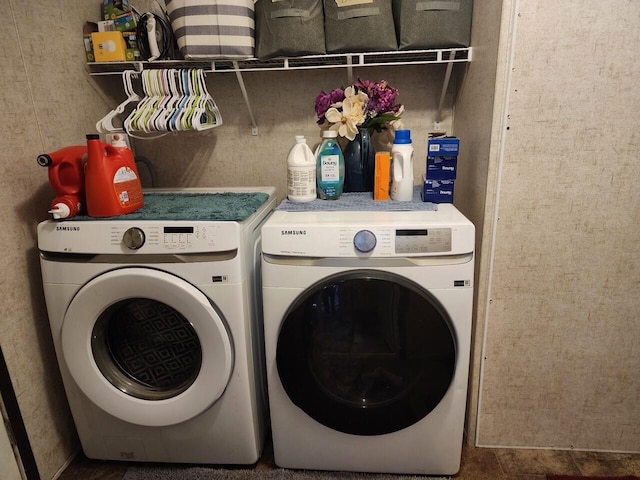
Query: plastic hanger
<point x="105" y="125"/>
<point x="174" y="100"/>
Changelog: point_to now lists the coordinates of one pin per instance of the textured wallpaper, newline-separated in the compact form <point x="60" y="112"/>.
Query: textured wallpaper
<point x="561" y="358"/>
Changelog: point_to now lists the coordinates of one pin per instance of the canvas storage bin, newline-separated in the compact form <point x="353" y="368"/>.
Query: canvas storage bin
<point x="289" y="28"/>
<point x="424" y="24"/>
<point x="359" y="26"/>
<point x="209" y="29"/>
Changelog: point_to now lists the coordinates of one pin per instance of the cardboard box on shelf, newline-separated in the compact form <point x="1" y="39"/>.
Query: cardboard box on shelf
<point x="109" y="46"/>
<point x="114" y="8"/>
<point x="87" y="30"/>
<point x="106" y="26"/>
<point x="126" y="23"/>
<point x="132" y="53"/>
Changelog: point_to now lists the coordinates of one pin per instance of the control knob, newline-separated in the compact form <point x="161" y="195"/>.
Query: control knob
<point x="133" y="238"/>
<point x="364" y="241"/>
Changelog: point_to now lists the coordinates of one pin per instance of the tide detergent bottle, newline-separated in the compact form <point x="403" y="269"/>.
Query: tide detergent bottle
<point x="112" y="183"/>
<point x="66" y="176"/>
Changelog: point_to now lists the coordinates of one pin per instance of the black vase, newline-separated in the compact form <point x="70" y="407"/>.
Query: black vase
<point x="359" y="163"/>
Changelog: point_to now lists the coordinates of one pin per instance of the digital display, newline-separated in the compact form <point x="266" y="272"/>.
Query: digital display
<point x="412" y="233"/>
<point x="178" y="229"/>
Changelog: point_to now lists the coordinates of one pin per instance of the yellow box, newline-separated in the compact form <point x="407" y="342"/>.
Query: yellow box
<point x="109" y="46"/>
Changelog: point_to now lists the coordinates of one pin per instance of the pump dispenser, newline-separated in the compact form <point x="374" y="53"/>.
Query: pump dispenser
<point x="112" y="182"/>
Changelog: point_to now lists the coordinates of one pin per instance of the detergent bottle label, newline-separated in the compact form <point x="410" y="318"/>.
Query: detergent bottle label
<point x="127" y="186"/>
<point x="330" y="168"/>
<point x="124" y="174"/>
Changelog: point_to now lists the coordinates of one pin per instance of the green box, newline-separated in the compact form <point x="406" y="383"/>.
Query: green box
<point x="132" y="52"/>
<point x="87" y="30"/>
<point x="114" y="8"/>
<point x="126" y="23"/>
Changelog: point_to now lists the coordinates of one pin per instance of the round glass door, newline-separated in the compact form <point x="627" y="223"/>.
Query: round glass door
<point x="146" y="346"/>
<point x="366" y="352"/>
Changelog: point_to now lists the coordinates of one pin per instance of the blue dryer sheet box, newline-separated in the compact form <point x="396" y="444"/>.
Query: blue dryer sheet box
<point x="438" y="191"/>
<point x="442" y="168"/>
<point x="443" y="147"/>
<point x="442" y="158"/>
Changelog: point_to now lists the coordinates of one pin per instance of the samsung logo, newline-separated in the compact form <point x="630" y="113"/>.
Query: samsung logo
<point x="293" y="232"/>
<point x="67" y="229"/>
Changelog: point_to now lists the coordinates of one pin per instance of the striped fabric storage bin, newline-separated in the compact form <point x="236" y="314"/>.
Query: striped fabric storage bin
<point x="207" y="29"/>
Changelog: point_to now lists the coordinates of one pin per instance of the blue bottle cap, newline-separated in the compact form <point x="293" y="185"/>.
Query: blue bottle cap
<point x="403" y="137"/>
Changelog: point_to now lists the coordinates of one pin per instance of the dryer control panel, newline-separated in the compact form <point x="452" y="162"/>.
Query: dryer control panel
<point x="426" y="240"/>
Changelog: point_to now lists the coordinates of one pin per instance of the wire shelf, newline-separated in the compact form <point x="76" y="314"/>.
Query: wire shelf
<point x="310" y="62"/>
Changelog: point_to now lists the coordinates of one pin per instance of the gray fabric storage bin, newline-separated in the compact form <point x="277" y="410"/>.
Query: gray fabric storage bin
<point x="423" y="24"/>
<point x="365" y="27"/>
<point x="288" y="28"/>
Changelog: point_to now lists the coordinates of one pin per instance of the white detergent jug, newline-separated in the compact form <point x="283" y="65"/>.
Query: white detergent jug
<point x="402" y="168"/>
<point x="301" y="172"/>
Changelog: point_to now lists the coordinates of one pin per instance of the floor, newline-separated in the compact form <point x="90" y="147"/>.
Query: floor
<point x="477" y="464"/>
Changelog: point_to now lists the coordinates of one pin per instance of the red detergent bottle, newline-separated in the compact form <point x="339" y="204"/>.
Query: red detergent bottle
<point x="66" y="176"/>
<point x="112" y="183"/>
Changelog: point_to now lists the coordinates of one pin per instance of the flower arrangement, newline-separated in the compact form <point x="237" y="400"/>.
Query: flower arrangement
<point x="365" y="104"/>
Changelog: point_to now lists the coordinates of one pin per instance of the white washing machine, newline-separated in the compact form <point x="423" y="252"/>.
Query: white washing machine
<point x="367" y="318"/>
<point x="156" y="322"/>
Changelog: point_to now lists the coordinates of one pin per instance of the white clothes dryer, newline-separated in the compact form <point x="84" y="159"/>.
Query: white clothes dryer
<point x="157" y="326"/>
<point x="367" y="318"/>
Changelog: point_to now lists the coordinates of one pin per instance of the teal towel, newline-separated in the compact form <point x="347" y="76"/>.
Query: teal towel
<point x="226" y="206"/>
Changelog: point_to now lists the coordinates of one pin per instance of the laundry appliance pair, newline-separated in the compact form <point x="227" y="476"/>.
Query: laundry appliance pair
<point x="156" y="323"/>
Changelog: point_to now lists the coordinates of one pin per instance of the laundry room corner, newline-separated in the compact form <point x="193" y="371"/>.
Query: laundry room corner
<point x="43" y="85"/>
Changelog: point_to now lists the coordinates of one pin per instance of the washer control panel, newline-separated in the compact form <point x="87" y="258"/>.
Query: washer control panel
<point x="423" y="240"/>
<point x="375" y="241"/>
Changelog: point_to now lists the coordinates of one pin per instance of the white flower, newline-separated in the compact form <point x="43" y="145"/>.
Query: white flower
<point x="353" y="113"/>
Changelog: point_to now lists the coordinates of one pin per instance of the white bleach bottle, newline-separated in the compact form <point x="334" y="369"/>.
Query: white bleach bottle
<point x="301" y="172"/>
<point x="402" y="167"/>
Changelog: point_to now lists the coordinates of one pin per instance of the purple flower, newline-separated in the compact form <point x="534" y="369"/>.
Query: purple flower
<point x="378" y="109"/>
<point x="325" y="100"/>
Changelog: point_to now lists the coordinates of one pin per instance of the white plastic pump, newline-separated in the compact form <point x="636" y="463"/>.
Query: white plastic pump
<point x="60" y="210"/>
<point x="301" y="172"/>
